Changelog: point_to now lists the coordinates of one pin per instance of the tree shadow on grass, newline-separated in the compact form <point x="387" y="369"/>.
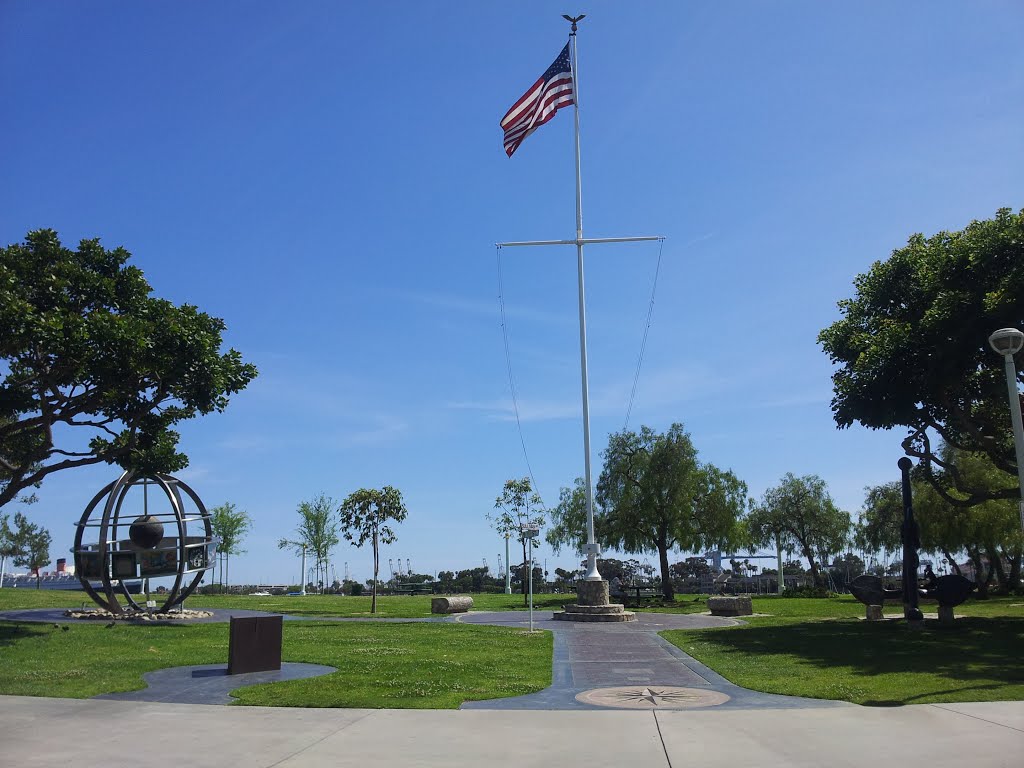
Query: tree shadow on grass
<point x="978" y="650"/>
<point x="11" y="633"/>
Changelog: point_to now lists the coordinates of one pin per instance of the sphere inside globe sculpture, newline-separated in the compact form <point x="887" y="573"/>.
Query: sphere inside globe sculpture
<point x="129" y="549"/>
<point x="146" y="532"/>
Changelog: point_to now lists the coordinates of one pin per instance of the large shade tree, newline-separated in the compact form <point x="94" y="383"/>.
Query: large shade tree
<point x="365" y="516"/>
<point x="799" y="514"/>
<point x="912" y="349"/>
<point x="653" y="495"/>
<point x="97" y="369"/>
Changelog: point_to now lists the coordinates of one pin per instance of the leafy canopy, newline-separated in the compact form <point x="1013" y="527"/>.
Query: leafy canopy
<point x="364" y="516"/>
<point x="800" y="513"/>
<point x="912" y="347"/>
<point x="97" y="370"/>
<point x="317" y="531"/>
<point x="230" y="525"/>
<point x="653" y="495"/>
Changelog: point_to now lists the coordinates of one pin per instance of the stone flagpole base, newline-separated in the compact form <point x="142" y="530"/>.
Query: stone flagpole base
<point x="592" y="605"/>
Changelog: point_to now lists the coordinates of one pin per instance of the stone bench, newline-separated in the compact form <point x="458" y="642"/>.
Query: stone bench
<point x="730" y="606"/>
<point x="458" y="604"/>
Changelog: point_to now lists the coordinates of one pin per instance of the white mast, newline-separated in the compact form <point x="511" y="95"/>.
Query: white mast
<point x="592" y="549"/>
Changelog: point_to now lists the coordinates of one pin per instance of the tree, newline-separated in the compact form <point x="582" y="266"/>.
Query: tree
<point x="800" y="513"/>
<point x="912" y="348"/>
<point x="316" y="535"/>
<point x="882" y="518"/>
<point x="989" y="531"/>
<point x="230" y="525"/>
<point x="97" y="370"/>
<point x="33" y="543"/>
<point x="11" y="544"/>
<point x="653" y="495"/>
<point x="364" y="517"/>
<point x="517" y="507"/>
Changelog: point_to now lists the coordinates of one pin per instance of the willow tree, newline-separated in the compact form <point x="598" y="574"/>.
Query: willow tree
<point x="316" y="534"/>
<point x="653" y="495"/>
<point x="799" y="513"/>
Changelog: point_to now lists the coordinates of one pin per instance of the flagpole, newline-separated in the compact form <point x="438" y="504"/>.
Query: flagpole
<point x="592" y="548"/>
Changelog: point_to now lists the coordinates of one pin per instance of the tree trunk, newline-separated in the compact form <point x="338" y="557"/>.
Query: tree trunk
<point x="3" y="564"/>
<point x="996" y="564"/>
<point x="1013" y="577"/>
<point x="373" y="599"/>
<point x="809" y="554"/>
<point x="981" y="579"/>
<point x="952" y="561"/>
<point x="667" y="590"/>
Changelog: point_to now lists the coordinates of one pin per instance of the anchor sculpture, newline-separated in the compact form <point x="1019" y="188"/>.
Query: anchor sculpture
<point x="948" y="591"/>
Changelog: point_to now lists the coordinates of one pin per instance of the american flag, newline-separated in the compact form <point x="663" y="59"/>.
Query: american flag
<point x="549" y="94"/>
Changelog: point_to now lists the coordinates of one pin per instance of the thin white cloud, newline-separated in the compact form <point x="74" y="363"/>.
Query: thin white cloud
<point x="466" y="305"/>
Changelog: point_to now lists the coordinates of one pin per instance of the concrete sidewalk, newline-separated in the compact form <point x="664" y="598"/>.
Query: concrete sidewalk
<point x="51" y="732"/>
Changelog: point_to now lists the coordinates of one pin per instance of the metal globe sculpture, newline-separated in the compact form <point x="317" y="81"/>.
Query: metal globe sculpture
<point x="132" y="547"/>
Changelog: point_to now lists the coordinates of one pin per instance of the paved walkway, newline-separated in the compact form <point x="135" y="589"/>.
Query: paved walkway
<point x="629" y="656"/>
<point x="37" y="733"/>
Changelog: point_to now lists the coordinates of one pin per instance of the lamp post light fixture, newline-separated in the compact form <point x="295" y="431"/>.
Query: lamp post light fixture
<point x="530" y="531"/>
<point x="1008" y="342"/>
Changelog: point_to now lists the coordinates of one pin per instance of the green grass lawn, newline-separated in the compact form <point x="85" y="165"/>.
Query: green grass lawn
<point x="821" y="649"/>
<point x="434" y="666"/>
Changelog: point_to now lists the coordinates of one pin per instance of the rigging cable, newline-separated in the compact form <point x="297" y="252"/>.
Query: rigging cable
<point x="511" y="379"/>
<point x="647" y="328"/>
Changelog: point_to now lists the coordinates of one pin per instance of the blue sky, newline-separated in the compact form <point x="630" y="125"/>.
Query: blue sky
<point x="329" y="179"/>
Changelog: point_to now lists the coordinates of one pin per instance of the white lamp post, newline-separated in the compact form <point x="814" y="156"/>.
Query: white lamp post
<point x="530" y="531"/>
<point x="508" y="571"/>
<point x="1008" y="342"/>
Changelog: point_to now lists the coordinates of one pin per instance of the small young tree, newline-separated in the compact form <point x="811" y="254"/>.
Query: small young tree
<point x="364" y="516"/>
<point x="230" y="525"/>
<point x="35" y="545"/>
<point x="11" y="545"/>
<point x="517" y="505"/>
<point x="317" y="533"/>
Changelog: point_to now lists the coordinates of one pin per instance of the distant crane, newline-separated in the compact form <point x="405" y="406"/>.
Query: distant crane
<point x="501" y="568"/>
<point x="486" y="567"/>
<point x="408" y="567"/>
<point x="391" y="567"/>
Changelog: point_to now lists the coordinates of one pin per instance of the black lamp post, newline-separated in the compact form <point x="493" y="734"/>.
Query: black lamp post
<point x="911" y="543"/>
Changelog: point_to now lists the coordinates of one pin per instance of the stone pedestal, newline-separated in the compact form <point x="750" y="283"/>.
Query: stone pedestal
<point x="874" y="613"/>
<point x="592" y="605"/>
<point x="946" y="614"/>
<point x="592" y="593"/>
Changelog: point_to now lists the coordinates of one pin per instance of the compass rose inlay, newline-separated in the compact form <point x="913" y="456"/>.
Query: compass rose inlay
<point x="652" y="697"/>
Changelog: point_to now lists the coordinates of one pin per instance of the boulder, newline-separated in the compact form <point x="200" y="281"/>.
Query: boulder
<point x="730" y="606"/>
